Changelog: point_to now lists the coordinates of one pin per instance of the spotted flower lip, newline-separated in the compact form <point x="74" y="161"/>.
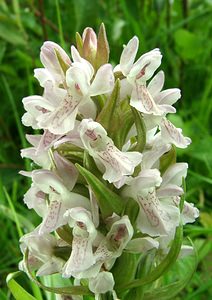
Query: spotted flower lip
<point x="114" y="163"/>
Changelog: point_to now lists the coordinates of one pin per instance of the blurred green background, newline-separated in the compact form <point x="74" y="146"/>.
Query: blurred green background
<point x="182" y="29"/>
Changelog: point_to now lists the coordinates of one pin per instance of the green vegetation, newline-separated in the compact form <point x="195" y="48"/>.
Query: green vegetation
<point x="182" y="30"/>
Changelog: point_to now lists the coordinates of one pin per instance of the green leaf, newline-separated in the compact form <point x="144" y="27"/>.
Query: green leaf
<point x="18" y="292"/>
<point x="141" y="130"/>
<point x="131" y="210"/>
<point x="163" y="267"/>
<point x="64" y="66"/>
<point x="167" y="159"/>
<point x="66" y="290"/>
<point x="144" y="267"/>
<point x="169" y="291"/>
<point x="106" y="116"/>
<point x="125" y="268"/>
<point x="10" y="34"/>
<point x="187" y="44"/>
<point x="102" y="55"/>
<point x="79" y="43"/>
<point x="108" y="201"/>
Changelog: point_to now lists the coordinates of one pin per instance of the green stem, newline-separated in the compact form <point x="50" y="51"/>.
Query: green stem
<point x="62" y="42"/>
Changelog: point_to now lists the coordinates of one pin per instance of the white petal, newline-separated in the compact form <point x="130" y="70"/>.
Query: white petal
<point x="78" y="59"/>
<point x="156" y="84"/>
<point x="81" y="256"/>
<point x="54" y="217"/>
<point x="169" y="96"/>
<point x="102" y="283"/>
<point x="189" y="213"/>
<point x="66" y="170"/>
<point x="171" y="134"/>
<point x="109" y="159"/>
<point x="43" y="75"/>
<point x="156" y="218"/>
<point x="143" y="102"/>
<point x="62" y="120"/>
<point x="103" y="82"/>
<point x="151" y="157"/>
<point x="145" y="66"/>
<point x="140" y="245"/>
<point x="128" y="55"/>
<point x="78" y="80"/>
<point x="34" y="198"/>
<point x="174" y="174"/>
<point x="47" y="181"/>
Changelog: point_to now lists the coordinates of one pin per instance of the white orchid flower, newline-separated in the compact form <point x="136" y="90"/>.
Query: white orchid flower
<point x="50" y="197"/>
<point x="41" y="144"/>
<point x="114" y="163"/>
<point x="41" y="253"/>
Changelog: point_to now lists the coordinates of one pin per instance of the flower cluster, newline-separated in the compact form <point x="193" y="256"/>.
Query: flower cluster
<point x="105" y="145"/>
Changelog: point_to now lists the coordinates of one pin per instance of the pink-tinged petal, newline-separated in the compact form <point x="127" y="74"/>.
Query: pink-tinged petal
<point x="168" y="97"/>
<point x="189" y="212"/>
<point x="169" y="190"/>
<point x="81" y="257"/>
<point x="35" y="199"/>
<point x="125" y="89"/>
<point x="156" y="218"/>
<point x="62" y="120"/>
<point x="109" y="159"/>
<point x="35" y="106"/>
<point x="156" y="84"/>
<point x="52" y="266"/>
<point x="50" y="61"/>
<point x="66" y="170"/>
<point x="43" y="75"/>
<point x="54" y="217"/>
<point x="128" y="55"/>
<point x="47" y="181"/>
<point x="54" y="94"/>
<point x="121" y="232"/>
<point x="78" y="80"/>
<point x="47" y="140"/>
<point x="174" y="174"/>
<point x="145" y="180"/>
<point x="151" y="157"/>
<point x="103" y="82"/>
<point x="141" y="245"/>
<point x="33" y="139"/>
<point x="173" y="135"/>
<point x="41" y="159"/>
<point x="143" y="102"/>
<point x="88" y="108"/>
<point x="166" y="109"/>
<point x="78" y="59"/>
<point x="145" y="66"/>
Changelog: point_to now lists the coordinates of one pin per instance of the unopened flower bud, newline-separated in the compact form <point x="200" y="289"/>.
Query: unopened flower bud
<point x="89" y="44"/>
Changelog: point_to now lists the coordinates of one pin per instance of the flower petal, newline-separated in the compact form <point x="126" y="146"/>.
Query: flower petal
<point x="102" y="283"/>
<point x="128" y="55"/>
<point x="103" y="82"/>
<point x="145" y="66"/>
<point x="156" y="84"/>
<point x="173" y="135"/>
